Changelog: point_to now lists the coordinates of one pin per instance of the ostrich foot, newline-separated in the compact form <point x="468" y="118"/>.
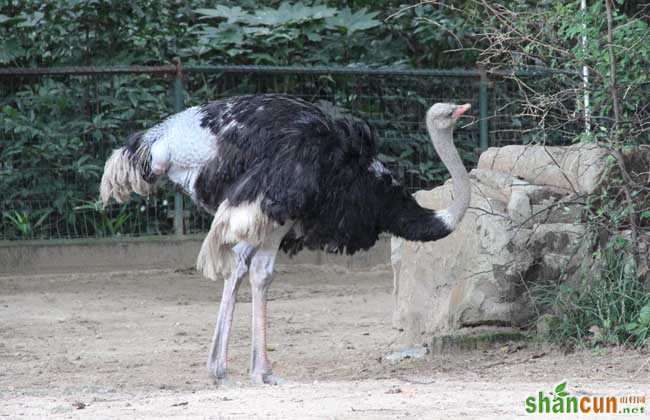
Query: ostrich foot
<point x="266" y="378"/>
<point x="224" y="382"/>
<point x="219" y="375"/>
<point x="221" y="379"/>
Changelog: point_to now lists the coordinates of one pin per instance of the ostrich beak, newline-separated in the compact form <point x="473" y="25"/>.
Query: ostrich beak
<point x="461" y="110"/>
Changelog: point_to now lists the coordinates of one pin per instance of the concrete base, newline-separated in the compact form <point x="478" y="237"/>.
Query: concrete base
<point x="153" y="252"/>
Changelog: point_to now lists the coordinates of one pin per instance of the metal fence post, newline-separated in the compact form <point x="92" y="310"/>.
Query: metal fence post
<point x="177" y="91"/>
<point x="483" y="111"/>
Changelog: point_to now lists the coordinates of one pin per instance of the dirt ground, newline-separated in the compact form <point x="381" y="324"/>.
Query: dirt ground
<point x="134" y="344"/>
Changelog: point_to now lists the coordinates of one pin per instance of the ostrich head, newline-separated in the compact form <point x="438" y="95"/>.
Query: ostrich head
<point x="443" y="116"/>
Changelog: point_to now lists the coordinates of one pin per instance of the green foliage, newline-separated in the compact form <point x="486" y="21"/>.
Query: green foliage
<point x="320" y="34"/>
<point x="24" y="223"/>
<point x="348" y="22"/>
<point x="55" y="135"/>
<point x="608" y="306"/>
<point x="632" y="53"/>
<point x="72" y="32"/>
<point x="107" y="224"/>
<point x="261" y="36"/>
<point x="639" y="328"/>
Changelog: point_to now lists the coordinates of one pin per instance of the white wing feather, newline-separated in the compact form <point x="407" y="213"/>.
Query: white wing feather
<point x="181" y="147"/>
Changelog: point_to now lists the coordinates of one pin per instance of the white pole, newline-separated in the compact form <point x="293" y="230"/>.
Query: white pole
<point x="585" y="70"/>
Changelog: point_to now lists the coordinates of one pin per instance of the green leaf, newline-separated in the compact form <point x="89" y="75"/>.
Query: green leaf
<point x="350" y="22"/>
<point x="232" y="14"/>
<point x="10" y="49"/>
<point x="291" y="14"/>
<point x="315" y="37"/>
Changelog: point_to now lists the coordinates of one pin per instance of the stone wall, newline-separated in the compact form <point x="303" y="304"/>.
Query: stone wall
<point x="149" y="252"/>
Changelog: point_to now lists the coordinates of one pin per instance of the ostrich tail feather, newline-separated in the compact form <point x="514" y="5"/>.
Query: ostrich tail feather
<point x="122" y="176"/>
<point x="215" y="258"/>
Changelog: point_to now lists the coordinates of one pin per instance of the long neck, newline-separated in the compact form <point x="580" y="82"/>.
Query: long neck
<point x="404" y="217"/>
<point x="443" y="143"/>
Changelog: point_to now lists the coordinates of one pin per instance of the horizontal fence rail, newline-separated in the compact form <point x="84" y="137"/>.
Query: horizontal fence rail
<point x="58" y="126"/>
<point x="86" y="71"/>
<point x="251" y="69"/>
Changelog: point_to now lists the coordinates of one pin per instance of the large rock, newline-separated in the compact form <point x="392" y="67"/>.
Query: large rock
<point x="518" y="230"/>
<point x="576" y="168"/>
<point x="470" y="278"/>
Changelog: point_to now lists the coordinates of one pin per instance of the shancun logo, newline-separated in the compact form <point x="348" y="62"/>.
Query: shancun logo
<point x="560" y="401"/>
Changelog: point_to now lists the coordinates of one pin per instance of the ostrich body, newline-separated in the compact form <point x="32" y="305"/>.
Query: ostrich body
<point x="280" y="173"/>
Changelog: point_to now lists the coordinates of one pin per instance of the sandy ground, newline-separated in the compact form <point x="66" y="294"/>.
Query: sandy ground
<point x="133" y="345"/>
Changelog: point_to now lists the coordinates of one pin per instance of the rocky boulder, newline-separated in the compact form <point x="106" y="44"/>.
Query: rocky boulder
<point x="519" y="228"/>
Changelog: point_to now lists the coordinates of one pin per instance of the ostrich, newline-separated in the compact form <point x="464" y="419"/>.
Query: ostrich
<point x="278" y="172"/>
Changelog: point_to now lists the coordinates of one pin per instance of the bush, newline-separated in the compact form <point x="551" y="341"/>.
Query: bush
<point x="609" y="305"/>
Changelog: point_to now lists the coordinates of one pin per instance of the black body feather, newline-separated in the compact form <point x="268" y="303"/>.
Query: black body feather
<point x="310" y="167"/>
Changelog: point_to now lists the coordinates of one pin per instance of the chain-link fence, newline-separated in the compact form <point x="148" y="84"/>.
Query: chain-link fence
<point x="59" y="125"/>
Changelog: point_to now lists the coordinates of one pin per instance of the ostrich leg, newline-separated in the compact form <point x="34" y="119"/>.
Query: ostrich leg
<point x="261" y="275"/>
<point x="218" y="359"/>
